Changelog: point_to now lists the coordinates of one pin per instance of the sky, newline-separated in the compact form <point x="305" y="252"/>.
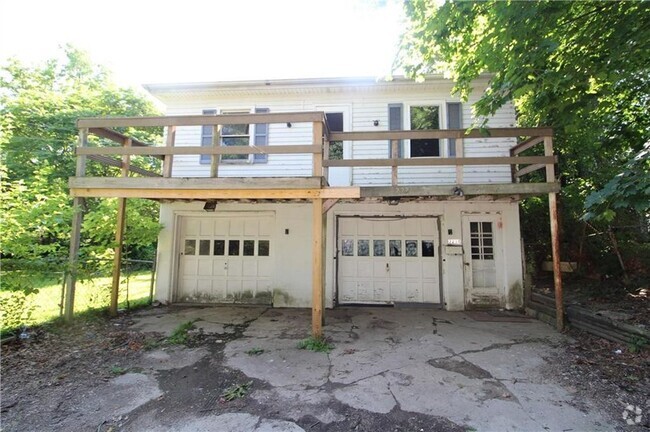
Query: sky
<point x="143" y="41"/>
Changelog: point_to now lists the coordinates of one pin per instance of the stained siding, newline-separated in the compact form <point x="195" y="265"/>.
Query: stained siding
<point x="365" y="108"/>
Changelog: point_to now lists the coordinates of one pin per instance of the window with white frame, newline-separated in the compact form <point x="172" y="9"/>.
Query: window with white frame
<point x="421" y="118"/>
<point x="237" y="135"/>
<point x="233" y="135"/>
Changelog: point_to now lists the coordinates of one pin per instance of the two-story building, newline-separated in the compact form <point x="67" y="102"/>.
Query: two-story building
<point x="326" y="192"/>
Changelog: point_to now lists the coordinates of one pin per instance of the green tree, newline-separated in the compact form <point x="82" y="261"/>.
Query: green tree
<point x="579" y="67"/>
<point x="39" y="107"/>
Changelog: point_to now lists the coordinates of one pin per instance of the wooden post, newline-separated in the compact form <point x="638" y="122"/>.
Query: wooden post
<point x="460" y="152"/>
<point x="119" y="236"/>
<point x="394" y="154"/>
<point x="555" y="237"/>
<point x="317" y="269"/>
<point x="326" y="157"/>
<point x="216" y="142"/>
<point x="75" y="234"/>
<point x="318" y="157"/>
<point x="169" y="159"/>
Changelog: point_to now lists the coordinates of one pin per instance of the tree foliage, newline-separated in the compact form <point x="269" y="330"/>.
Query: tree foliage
<point x="580" y="67"/>
<point x="39" y="106"/>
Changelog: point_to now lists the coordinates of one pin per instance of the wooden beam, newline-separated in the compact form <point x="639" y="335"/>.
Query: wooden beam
<point x="468" y="190"/>
<point x="326" y="156"/>
<point x="199" y="194"/>
<point x="116" y="136"/>
<point x="317" y="269"/>
<point x="216" y="144"/>
<point x="394" y="155"/>
<point x="529" y="169"/>
<point x="118" y="163"/>
<point x="317" y="141"/>
<point x="197" y="183"/>
<point x="555" y="238"/>
<point x="200" y="120"/>
<point x="168" y="160"/>
<point x="440" y="134"/>
<point x="460" y="152"/>
<point x="329" y="203"/>
<point x="195" y="150"/>
<point x="117" y="258"/>
<point x="526" y="144"/>
<point x="119" y="236"/>
<point x="71" y="274"/>
<point x="505" y="160"/>
<point x="75" y="235"/>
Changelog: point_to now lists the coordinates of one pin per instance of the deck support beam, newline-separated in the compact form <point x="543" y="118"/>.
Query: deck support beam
<point x="318" y="270"/>
<point x="75" y="234"/>
<point x="119" y="236"/>
<point x="555" y="238"/>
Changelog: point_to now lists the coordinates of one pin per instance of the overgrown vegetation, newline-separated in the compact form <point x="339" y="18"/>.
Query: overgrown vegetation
<point x="315" y="344"/>
<point x="39" y="106"/>
<point x="236" y="391"/>
<point x="581" y="68"/>
<point x="255" y="351"/>
<point x="33" y="298"/>
<point x="180" y="334"/>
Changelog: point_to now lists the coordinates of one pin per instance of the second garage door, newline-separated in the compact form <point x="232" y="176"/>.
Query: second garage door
<point x="388" y="260"/>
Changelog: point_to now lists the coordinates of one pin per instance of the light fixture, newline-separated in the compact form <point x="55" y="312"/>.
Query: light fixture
<point x="210" y="205"/>
<point x="375" y="122"/>
<point x="289" y="124"/>
<point x="458" y="192"/>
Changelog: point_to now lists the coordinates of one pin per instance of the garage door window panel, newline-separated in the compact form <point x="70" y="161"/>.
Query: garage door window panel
<point x="219" y="247"/>
<point x="233" y="247"/>
<point x="395" y="247"/>
<point x="204" y="247"/>
<point x="363" y="248"/>
<point x="249" y="247"/>
<point x="190" y="247"/>
<point x="263" y="248"/>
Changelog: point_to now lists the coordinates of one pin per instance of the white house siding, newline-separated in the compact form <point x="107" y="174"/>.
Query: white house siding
<point x="291" y="246"/>
<point x="366" y="105"/>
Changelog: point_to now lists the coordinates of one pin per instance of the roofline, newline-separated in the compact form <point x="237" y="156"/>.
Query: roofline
<point x="299" y="82"/>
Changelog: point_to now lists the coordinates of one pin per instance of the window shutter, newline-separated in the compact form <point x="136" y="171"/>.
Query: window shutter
<point x="454" y="121"/>
<point x="206" y="136"/>
<point x="395" y="123"/>
<point x="261" y="138"/>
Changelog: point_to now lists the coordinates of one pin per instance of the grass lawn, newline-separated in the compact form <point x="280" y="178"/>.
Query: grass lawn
<point x="90" y="294"/>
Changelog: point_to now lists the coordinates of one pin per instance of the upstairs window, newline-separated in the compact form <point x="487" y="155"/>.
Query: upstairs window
<point x="233" y="135"/>
<point x="422" y="118"/>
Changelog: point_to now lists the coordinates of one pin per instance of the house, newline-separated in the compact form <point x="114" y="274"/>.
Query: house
<point x="326" y="192"/>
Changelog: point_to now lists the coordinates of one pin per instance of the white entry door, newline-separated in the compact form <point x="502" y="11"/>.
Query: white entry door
<point x="388" y="260"/>
<point x="482" y="258"/>
<point x="225" y="259"/>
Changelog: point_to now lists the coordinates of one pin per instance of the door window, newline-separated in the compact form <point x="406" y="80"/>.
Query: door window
<point x="482" y="240"/>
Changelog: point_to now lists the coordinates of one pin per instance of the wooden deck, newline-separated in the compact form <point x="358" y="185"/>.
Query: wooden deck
<point x="532" y="152"/>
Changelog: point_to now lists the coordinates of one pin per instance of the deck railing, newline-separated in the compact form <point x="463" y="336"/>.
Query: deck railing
<point x="520" y="164"/>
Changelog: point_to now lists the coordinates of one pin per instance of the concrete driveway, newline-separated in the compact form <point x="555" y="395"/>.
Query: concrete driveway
<point x="436" y="370"/>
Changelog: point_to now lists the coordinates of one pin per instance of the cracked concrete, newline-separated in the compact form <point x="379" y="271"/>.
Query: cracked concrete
<point x="480" y="374"/>
<point x="416" y="365"/>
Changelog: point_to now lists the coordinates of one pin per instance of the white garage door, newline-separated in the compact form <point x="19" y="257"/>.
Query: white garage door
<point x="226" y="259"/>
<point x="384" y="260"/>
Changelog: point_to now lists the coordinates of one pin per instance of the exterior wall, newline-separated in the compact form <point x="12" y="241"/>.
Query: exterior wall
<point x="292" y="251"/>
<point x="365" y="105"/>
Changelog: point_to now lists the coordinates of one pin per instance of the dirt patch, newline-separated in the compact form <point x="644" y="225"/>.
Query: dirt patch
<point x="606" y="372"/>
